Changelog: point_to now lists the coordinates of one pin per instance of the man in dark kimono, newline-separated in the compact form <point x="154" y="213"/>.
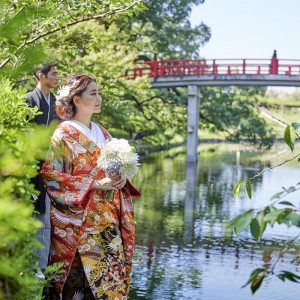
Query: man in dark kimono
<point x="42" y="97"/>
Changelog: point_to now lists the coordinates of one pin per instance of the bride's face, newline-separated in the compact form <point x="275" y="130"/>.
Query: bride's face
<point x="90" y="100"/>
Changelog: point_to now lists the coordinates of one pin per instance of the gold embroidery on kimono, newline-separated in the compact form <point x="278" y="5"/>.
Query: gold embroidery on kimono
<point x="104" y="240"/>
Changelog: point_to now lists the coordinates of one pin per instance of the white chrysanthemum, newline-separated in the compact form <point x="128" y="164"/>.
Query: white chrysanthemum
<point x="64" y="91"/>
<point x="120" y="145"/>
<point x="117" y="157"/>
<point x="74" y="82"/>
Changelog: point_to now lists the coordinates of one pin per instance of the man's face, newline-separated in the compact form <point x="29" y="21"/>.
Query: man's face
<point x="51" y="79"/>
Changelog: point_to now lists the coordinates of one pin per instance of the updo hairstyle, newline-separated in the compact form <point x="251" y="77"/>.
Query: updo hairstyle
<point x="73" y="86"/>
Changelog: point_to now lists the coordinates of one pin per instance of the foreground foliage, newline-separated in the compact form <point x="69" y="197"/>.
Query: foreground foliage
<point x="278" y="212"/>
<point x="20" y="146"/>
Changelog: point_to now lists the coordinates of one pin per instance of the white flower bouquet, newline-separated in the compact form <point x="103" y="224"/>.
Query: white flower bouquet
<point x="117" y="156"/>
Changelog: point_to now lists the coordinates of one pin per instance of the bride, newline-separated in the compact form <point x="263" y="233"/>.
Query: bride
<point x="92" y="237"/>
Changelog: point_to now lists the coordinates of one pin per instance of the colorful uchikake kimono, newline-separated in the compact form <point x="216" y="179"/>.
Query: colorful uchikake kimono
<point x="84" y="227"/>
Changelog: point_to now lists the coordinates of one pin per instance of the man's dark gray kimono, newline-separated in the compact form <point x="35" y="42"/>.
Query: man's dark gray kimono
<point x="42" y="203"/>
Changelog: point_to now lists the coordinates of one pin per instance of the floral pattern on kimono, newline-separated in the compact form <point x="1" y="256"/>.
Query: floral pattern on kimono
<point x="68" y="173"/>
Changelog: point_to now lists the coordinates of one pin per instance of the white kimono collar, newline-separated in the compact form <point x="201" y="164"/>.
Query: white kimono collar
<point x="95" y="133"/>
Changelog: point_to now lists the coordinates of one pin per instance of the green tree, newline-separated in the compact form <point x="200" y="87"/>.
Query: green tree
<point x="164" y="28"/>
<point x="234" y="111"/>
<point x="32" y="22"/>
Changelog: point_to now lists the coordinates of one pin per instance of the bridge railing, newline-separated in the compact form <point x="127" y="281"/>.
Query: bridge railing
<point x="178" y="67"/>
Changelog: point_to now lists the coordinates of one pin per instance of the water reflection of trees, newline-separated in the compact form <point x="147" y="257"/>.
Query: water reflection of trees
<point x="181" y="220"/>
<point x="166" y="203"/>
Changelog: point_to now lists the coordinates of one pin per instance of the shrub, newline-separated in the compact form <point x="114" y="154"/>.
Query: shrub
<point x="21" y="144"/>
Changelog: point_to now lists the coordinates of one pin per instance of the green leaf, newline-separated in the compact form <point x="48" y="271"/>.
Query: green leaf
<point x="257" y="283"/>
<point x="277" y="195"/>
<point x="281" y="276"/>
<point x="255" y="229"/>
<point x="288" y="275"/>
<point x="286" y="203"/>
<point x="291" y="218"/>
<point x="234" y="221"/>
<point x="254" y="275"/>
<point x="133" y="149"/>
<point x="237" y="189"/>
<point x="290" y="136"/>
<point x="243" y="223"/>
<point x="272" y="216"/>
<point x="291" y="189"/>
<point x="248" y="188"/>
<point x="281" y="219"/>
<point x="260" y="219"/>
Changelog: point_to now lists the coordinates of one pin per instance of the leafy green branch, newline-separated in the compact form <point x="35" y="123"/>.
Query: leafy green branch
<point x="258" y="219"/>
<point x="290" y="139"/>
<point x="283" y="252"/>
<point x="52" y="25"/>
<point x="258" y="275"/>
<point x="119" y="9"/>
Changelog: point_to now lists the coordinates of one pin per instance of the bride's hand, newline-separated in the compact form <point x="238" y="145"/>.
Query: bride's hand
<point x="104" y="184"/>
<point x="119" y="184"/>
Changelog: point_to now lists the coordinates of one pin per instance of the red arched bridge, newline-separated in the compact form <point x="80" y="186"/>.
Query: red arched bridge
<point x="215" y="72"/>
<point x="219" y="72"/>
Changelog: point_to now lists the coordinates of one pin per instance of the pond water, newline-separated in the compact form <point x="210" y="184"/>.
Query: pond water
<point x="183" y="247"/>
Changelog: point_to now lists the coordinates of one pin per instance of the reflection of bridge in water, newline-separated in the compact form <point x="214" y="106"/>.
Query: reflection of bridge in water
<point x="215" y="72"/>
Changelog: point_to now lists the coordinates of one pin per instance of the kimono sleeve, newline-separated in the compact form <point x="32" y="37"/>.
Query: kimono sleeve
<point x="60" y="184"/>
<point x="131" y="190"/>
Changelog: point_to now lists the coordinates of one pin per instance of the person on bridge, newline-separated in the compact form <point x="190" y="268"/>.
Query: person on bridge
<point x="92" y="237"/>
<point x="274" y="64"/>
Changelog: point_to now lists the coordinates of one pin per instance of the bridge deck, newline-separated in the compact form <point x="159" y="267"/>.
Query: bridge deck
<point x="225" y="80"/>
